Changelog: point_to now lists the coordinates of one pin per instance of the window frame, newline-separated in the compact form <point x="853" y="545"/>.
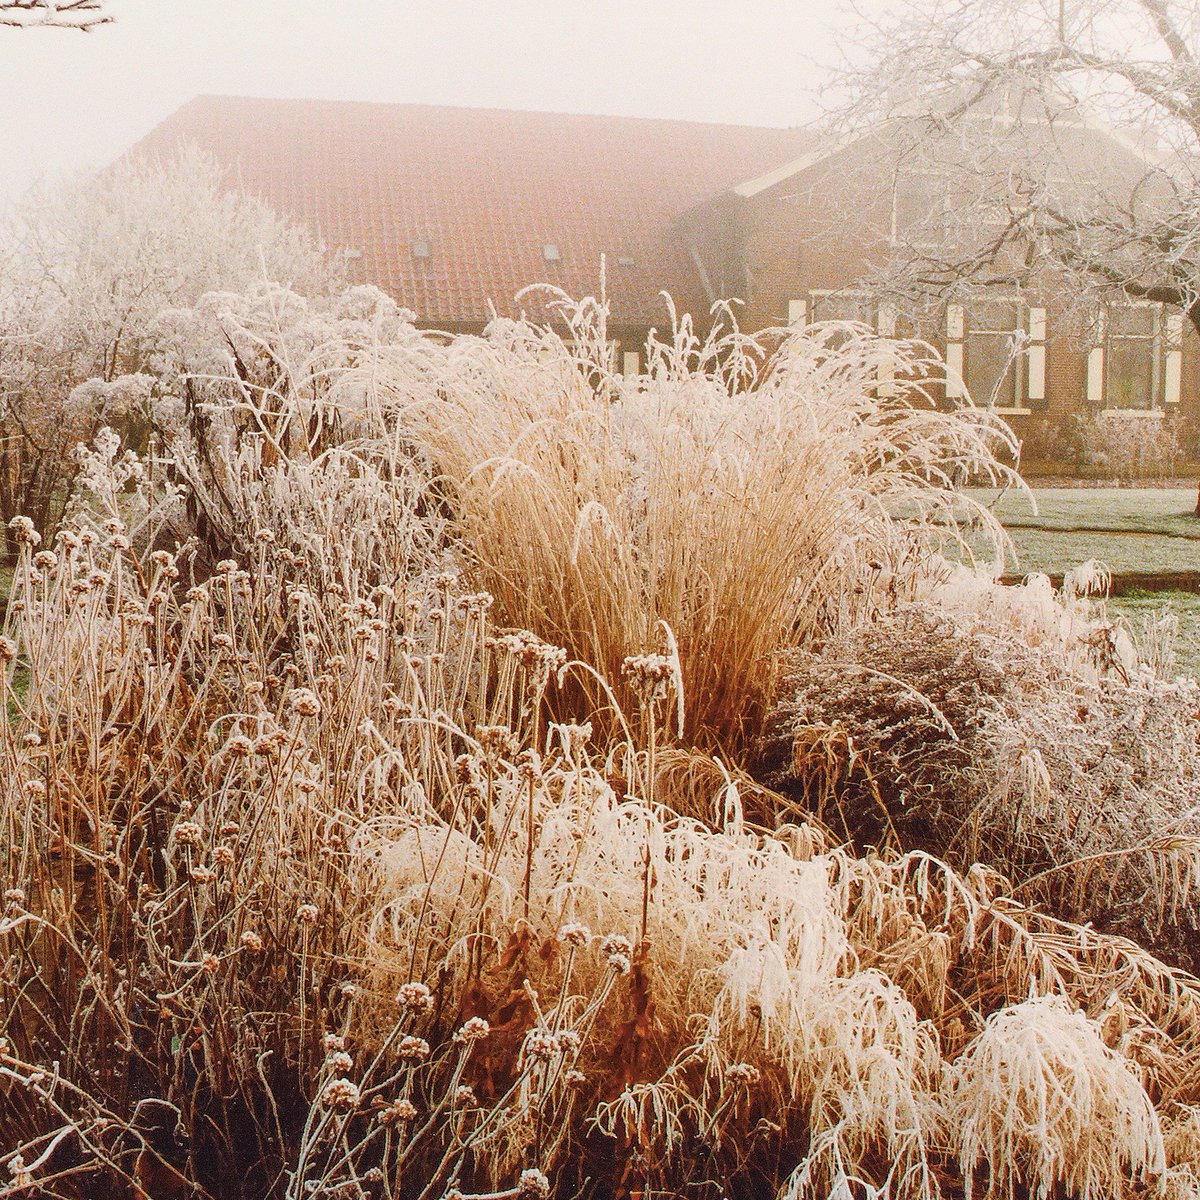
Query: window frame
<point x="1027" y="335"/>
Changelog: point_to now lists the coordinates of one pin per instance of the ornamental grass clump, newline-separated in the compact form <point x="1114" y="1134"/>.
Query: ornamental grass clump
<point x="747" y="493"/>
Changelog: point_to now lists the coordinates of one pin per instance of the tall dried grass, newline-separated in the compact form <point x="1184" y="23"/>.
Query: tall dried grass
<point x="321" y="881"/>
<point x="746" y="493"/>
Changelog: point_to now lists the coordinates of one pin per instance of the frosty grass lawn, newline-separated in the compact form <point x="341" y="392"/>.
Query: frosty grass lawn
<point x="1128" y="529"/>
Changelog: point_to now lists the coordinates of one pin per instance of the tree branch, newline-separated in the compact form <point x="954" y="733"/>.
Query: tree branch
<point x="84" y="15"/>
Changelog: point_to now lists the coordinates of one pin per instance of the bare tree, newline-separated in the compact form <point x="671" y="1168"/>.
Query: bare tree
<point x="89" y="275"/>
<point x="1027" y="137"/>
<point x="59" y="14"/>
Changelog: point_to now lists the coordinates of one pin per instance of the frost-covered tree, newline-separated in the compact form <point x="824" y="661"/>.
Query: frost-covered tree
<point x="59" y="14"/>
<point x="86" y="271"/>
<point x="1026" y="138"/>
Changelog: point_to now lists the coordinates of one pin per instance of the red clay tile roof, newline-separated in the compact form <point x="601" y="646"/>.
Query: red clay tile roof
<point x="487" y="189"/>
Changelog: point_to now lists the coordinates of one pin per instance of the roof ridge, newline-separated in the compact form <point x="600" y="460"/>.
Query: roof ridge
<point x="201" y="97"/>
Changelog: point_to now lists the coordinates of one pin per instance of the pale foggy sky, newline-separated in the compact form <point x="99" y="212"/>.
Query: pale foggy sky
<point x="72" y="100"/>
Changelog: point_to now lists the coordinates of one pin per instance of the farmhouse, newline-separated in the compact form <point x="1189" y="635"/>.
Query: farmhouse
<point x="456" y="211"/>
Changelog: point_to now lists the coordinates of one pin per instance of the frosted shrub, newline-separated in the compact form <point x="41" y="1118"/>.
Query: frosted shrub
<point x="89" y="268"/>
<point x="1125" y="446"/>
<point x="952" y="729"/>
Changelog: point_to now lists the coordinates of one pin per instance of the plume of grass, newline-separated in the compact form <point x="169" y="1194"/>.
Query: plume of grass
<point x="1039" y="1098"/>
<point x="748" y="493"/>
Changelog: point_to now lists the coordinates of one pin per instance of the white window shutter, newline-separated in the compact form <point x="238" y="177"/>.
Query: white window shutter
<point x="1037" y="324"/>
<point x="956" y="389"/>
<point x="630" y="364"/>
<point x="955" y="322"/>
<point x="797" y="312"/>
<point x="1173" y="359"/>
<point x="1036" y="355"/>
<point x="888" y="314"/>
<point x="1095" y="375"/>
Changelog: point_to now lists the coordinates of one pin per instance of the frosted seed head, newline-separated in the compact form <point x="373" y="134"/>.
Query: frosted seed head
<point x="472" y="1030"/>
<point x="574" y="933"/>
<point x="533" y="1185"/>
<point x="415" y="997"/>
<point x="413" y="1049"/>
<point x="341" y="1095"/>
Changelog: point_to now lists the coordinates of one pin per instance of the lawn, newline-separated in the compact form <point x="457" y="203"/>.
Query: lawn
<point x="1128" y="529"/>
<point x="1141" y="610"/>
<point x="1166" y="511"/>
<point x="1142" y="530"/>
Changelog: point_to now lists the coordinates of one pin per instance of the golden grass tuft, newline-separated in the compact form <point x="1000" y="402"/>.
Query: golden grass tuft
<point x="745" y="493"/>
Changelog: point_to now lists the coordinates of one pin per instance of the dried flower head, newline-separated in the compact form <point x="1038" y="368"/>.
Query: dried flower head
<point x="745" y="1073"/>
<point x="338" y="1062"/>
<point x="620" y="963"/>
<point x="648" y="675"/>
<point x="303" y="702"/>
<point x="186" y="833"/>
<point x="307" y="914"/>
<point x="541" y="1045"/>
<point x="415" y="997"/>
<point x="533" y="1185"/>
<point x="396" y="1112"/>
<point x="341" y="1095"/>
<point x="472" y="1030"/>
<point x="413" y="1049"/>
<point x="23" y="531"/>
<point x="251" y="941"/>
<point x="574" y="933"/>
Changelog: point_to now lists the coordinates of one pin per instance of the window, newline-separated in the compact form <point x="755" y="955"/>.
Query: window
<point x="996" y="353"/>
<point x="992" y="353"/>
<point x="1135" y="363"/>
<point x="550" y="252"/>
<point x="842" y="306"/>
<point x="420" y="247"/>
<point x="1133" y="356"/>
<point x="919" y="208"/>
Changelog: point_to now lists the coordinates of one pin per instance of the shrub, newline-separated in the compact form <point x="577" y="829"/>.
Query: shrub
<point x="88" y="269"/>
<point x="1124" y="446"/>
<point x="970" y="727"/>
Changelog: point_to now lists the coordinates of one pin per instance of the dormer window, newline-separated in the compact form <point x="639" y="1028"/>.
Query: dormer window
<point x="550" y="252"/>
